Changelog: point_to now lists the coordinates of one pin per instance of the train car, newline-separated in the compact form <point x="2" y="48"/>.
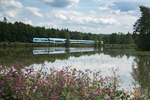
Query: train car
<point x="58" y="40"/>
<point x="48" y="40"/>
<point x="82" y="42"/>
<point x="41" y="40"/>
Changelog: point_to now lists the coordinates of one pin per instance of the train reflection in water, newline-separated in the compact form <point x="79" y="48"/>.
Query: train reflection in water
<point x="58" y="50"/>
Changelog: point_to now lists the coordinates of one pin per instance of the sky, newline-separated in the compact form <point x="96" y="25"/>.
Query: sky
<point x="94" y="16"/>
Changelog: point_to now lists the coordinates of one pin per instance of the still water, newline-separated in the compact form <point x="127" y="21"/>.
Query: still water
<point x="132" y="66"/>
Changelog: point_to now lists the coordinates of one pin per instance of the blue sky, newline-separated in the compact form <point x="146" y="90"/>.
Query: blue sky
<point x="96" y="16"/>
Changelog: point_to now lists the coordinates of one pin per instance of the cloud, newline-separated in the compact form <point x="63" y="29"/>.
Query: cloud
<point x="10" y="4"/>
<point x="11" y="13"/>
<point x="122" y="5"/>
<point x="125" y="6"/>
<point x="76" y="17"/>
<point x="61" y="16"/>
<point x="26" y="21"/>
<point x="103" y="8"/>
<point x="48" y="24"/>
<point x="102" y="16"/>
<point x="61" y="3"/>
<point x="10" y="8"/>
<point x="34" y="11"/>
<point x="109" y="21"/>
<point x="100" y="21"/>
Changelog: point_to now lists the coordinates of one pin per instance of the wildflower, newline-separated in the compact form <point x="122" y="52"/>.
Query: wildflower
<point x="36" y="87"/>
<point x="48" y="84"/>
<point x="11" y="78"/>
<point x="47" y="95"/>
<point x="1" y="67"/>
<point x="17" y="91"/>
<point x="34" y="90"/>
<point x="102" y="79"/>
<point x="55" y="96"/>
<point x="84" y="93"/>
<point x="2" y="83"/>
<point x="99" y="92"/>
<point x="137" y="94"/>
<point x="22" y="93"/>
<point x="108" y="91"/>
<point x="68" y="80"/>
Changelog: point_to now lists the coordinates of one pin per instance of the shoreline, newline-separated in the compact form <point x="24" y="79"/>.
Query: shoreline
<point x="106" y="46"/>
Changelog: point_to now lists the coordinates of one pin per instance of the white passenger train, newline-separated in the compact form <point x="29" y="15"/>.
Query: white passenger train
<point x="58" y="40"/>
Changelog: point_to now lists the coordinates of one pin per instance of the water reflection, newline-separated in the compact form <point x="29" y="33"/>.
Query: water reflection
<point x="97" y="61"/>
<point x="28" y="56"/>
<point x="41" y="50"/>
<point x="141" y="72"/>
<point x="126" y="60"/>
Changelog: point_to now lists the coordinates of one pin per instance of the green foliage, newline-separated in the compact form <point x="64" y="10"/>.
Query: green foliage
<point x="20" y="32"/>
<point x="142" y="29"/>
<point x="119" y="38"/>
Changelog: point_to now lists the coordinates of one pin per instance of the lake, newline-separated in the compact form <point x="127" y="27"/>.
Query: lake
<point x="132" y="66"/>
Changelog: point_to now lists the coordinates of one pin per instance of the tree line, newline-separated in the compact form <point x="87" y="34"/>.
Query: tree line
<point x="20" y="32"/>
<point x="119" y="38"/>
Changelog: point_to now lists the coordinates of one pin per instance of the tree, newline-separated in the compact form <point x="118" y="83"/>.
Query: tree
<point x="5" y="20"/>
<point x="142" y="29"/>
<point x="67" y="43"/>
<point x="20" y="32"/>
<point x="129" y="39"/>
<point x="113" y="38"/>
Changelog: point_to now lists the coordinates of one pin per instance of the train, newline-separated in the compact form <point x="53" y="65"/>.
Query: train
<point x="59" y="40"/>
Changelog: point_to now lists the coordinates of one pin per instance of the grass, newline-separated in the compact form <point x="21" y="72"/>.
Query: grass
<point x="106" y="46"/>
<point x="119" y="46"/>
<point x="21" y="83"/>
<point x="22" y="44"/>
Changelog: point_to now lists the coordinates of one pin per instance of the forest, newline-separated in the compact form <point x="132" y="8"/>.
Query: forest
<point x="20" y="32"/>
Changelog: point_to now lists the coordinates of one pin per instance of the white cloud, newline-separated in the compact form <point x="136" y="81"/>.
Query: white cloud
<point x="10" y="4"/>
<point x="11" y="13"/>
<point x="26" y="21"/>
<point x="103" y="8"/>
<point x="61" y="3"/>
<point x="34" y="11"/>
<point x="103" y="16"/>
<point x="10" y="8"/>
<point x="109" y="21"/>
<point x="48" y="24"/>
<point x="76" y="17"/>
<point x="73" y="3"/>
<point x="61" y="16"/>
<point x="99" y="21"/>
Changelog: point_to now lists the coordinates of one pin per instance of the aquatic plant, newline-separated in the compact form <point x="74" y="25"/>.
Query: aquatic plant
<point x="21" y="83"/>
